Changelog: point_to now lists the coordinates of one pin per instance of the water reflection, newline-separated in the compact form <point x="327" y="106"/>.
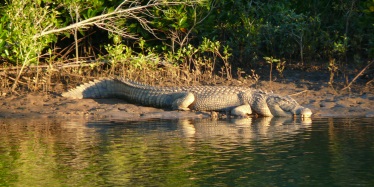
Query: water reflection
<point x="243" y="129"/>
<point x="239" y="152"/>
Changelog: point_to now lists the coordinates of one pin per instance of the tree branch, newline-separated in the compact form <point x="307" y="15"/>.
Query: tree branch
<point x="107" y="21"/>
<point x="361" y="72"/>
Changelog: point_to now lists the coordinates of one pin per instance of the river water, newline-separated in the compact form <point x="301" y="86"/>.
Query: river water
<point x="241" y="152"/>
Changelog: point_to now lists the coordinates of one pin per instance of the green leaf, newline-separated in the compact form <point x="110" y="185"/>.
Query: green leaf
<point x="182" y="21"/>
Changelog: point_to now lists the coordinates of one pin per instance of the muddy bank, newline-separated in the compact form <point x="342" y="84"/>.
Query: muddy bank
<point x="323" y="100"/>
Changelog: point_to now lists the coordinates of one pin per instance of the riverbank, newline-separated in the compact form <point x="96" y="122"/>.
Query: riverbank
<point x="322" y="99"/>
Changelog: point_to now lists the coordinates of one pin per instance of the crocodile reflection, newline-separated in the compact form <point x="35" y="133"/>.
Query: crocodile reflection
<point x="243" y="129"/>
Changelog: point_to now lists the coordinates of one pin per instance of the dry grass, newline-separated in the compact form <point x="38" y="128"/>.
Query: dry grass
<point x="46" y="78"/>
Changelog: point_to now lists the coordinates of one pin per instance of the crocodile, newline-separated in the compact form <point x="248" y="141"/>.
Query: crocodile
<point x="238" y="101"/>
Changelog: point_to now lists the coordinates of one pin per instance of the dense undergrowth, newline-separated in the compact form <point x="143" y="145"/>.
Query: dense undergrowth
<point x="47" y="43"/>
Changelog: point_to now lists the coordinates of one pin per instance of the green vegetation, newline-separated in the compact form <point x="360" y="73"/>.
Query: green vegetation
<point x="193" y="39"/>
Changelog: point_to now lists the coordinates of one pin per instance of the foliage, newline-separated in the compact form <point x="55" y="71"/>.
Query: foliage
<point x="23" y="20"/>
<point x="303" y="30"/>
<point x="204" y="36"/>
<point x="119" y="53"/>
<point x="271" y="60"/>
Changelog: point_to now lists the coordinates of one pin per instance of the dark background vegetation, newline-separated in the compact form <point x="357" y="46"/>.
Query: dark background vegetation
<point x="226" y="37"/>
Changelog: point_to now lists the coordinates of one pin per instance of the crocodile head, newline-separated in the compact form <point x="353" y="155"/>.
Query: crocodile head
<point x="286" y="106"/>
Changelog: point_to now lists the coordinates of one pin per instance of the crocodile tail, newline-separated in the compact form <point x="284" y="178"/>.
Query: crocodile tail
<point x="102" y="88"/>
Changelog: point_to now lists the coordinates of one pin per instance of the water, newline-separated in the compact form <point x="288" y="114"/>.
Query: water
<point x="261" y="152"/>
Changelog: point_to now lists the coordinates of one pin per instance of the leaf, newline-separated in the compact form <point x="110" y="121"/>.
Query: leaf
<point x="371" y="8"/>
<point x="174" y="26"/>
<point x="182" y="21"/>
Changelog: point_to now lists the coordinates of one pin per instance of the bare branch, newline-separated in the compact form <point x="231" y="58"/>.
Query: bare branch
<point x="127" y="9"/>
<point x="361" y="72"/>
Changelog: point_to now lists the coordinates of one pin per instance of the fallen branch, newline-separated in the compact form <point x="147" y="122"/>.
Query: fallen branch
<point x="369" y="81"/>
<point x="298" y="93"/>
<point x="361" y="72"/>
<point x="14" y="79"/>
<point x="59" y="66"/>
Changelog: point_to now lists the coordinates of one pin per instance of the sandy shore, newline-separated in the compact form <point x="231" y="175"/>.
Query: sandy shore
<point x="324" y="102"/>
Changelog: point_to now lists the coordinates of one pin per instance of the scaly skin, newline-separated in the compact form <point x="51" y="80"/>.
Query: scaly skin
<point x="237" y="100"/>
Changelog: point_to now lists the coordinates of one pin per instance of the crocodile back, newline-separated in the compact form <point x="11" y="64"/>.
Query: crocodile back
<point x="218" y="98"/>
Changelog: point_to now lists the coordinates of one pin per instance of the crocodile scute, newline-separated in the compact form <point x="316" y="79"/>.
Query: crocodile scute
<point x="239" y="101"/>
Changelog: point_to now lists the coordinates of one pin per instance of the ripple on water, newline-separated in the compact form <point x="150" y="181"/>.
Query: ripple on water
<point x="252" y="152"/>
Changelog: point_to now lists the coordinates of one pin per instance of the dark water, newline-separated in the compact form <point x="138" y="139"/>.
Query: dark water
<point x="261" y="152"/>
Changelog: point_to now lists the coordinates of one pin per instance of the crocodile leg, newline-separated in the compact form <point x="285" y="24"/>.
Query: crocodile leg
<point x="242" y="110"/>
<point x="276" y="110"/>
<point x="182" y="101"/>
<point x="260" y="106"/>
